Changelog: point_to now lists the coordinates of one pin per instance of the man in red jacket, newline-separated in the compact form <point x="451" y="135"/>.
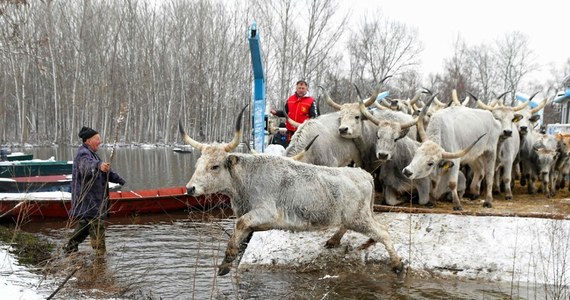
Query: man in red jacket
<point x="299" y="107"/>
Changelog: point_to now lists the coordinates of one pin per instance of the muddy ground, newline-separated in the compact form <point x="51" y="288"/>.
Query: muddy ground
<point x="523" y="204"/>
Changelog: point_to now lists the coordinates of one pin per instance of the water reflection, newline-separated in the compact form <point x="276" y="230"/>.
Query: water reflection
<point x="142" y="168"/>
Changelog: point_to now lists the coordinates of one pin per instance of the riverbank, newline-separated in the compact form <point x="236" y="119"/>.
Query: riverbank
<point x="527" y="251"/>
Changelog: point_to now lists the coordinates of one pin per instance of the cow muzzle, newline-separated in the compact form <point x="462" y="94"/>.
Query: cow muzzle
<point x="343" y="130"/>
<point x="507" y="133"/>
<point x="407" y="172"/>
<point x="383" y="156"/>
<point x="191" y="190"/>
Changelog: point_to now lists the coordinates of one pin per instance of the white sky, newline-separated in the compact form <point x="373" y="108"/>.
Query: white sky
<point x="439" y="22"/>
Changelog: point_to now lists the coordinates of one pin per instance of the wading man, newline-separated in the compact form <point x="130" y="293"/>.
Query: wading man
<point x="90" y="192"/>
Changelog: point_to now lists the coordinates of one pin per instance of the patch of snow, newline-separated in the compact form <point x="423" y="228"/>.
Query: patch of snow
<point x="15" y="281"/>
<point x="274" y="149"/>
<point x="507" y="249"/>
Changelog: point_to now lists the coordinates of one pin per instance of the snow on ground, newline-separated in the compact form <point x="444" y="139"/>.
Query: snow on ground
<point x="486" y="248"/>
<point x="16" y="282"/>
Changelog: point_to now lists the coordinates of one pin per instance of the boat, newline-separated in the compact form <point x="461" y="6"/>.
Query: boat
<point x="183" y="149"/>
<point x="34" y="167"/>
<point x="20" y="207"/>
<point x="14" y="156"/>
<point x="49" y="183"/>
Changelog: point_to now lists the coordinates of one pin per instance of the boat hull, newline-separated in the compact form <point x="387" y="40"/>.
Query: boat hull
<point x="34" y="168"/>
<point x="50" y="183"/>
<point x="122" y="203"/>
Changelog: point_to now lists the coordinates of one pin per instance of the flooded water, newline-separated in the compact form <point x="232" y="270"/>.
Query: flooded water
<point x="175" y="256"/>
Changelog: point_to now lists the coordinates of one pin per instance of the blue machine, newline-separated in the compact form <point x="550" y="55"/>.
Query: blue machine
<point x="259" y="90"/>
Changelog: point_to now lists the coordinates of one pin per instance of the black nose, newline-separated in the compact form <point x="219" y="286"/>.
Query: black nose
<point x="382" y="156"/>
<point x="507" y="132"/>
<point x="407" y="173"/>
<point x="342" y="130"/>
<point x="191" y="190"/>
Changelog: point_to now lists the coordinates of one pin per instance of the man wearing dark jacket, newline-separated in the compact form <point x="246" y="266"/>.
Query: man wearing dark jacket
<point x="90" y="193"/>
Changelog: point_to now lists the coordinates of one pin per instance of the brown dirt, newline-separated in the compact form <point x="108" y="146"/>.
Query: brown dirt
<point x="522" y="205"/>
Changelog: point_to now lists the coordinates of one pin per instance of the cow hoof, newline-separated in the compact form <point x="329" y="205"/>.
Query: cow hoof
<point x="488" y="204"/>
<point x="508" y="198"/>
<point x="457" y="208"/>
<point x="224" y="269"/>
<point x="330" y="245"/>
<point x="430" y="204"/>
<point x="474" y="196"/>
<point x="400" y="271"/>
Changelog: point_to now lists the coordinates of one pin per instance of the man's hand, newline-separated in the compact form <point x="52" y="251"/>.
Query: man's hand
<point x="273" y="112"/>
<point x="105" y="167"/>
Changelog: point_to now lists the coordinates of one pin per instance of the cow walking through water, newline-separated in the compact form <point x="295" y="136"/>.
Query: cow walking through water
<point x="273" y="192"/>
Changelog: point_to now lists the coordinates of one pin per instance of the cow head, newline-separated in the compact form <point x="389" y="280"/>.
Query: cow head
<point x="211" y="173"/>
<point x="350" y="116"/>
<point x="387" y="135"/>
<point x="563" y="143"/>
<point x="530" y="117"/>
<point x="430" y="156"/>
<point x="506" y="115"/>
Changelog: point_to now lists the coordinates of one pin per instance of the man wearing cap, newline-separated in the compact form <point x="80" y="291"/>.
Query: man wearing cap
<point x="299" y="107"/>
<point x="89" y="193"/>
<point x="280" y="137"/>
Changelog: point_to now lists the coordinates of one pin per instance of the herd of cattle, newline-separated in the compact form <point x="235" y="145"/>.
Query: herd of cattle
<point x="434" y="150"/>
<point x="431" y="149"/>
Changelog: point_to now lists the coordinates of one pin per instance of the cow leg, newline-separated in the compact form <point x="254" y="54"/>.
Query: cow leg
<point x="489" y="176"/>
<point x="455" y="197"/>
<point x="497" y="182"/>
<point x="241" y="230"/>
<point x="507" y="178"/>
<point x="531" y="182"/>
<point x="379" y="233"/>
<point x="423" y="186"/>
<point x="391" y="196"/>
<point x="475" y="187"/>
<point x="334" y="241"/>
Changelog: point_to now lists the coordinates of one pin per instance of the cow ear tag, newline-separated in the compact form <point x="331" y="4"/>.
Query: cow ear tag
<point x="517" y="118"/>
<point x="445" y="165"/>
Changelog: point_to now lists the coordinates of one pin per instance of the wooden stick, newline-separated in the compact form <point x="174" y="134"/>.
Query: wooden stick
<point x="64" y="282"/>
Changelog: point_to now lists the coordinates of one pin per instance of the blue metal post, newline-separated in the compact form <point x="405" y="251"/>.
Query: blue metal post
<point x="259" y="89"/>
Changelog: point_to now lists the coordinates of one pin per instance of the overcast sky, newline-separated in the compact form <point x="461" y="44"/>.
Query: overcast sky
<point x="545" y="22"/>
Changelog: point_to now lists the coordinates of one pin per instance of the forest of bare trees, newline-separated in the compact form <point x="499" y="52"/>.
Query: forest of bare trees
<point x="65" y="64"/>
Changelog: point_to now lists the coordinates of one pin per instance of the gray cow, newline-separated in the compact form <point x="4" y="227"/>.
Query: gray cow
<point x="454" y="129"/>
<point x="395" y="150"/>
<point x="329" y="149"/>
<point x="274" y="192"/>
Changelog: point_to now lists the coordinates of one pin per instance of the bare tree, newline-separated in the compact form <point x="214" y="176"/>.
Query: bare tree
<point x="382" y="47"/>
<point x="514" y="60"/>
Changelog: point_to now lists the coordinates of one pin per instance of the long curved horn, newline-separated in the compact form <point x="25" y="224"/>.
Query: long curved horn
<point x="364" y="111"/>
<point x="454" y="97"/>
<point x="479" y="102"/>
<point x="409" y="124"/>
<point x="374" y="95"/>
<point x="380" y="106"/>
<point x="503" y="96"/>
<point x="301" y="154"/>
<point x="237" y="136"/>
<point x="415" y="99"/>
<point x="483" y="105"/>
<point x="521" y="106"/>
<point x="539" y="106"/>
<point x="329" y="100"/>
<point x="420" y="120"/>
<point x="438" y="103"/>
<point x="291" y="121"/>
<point x="460" y="153"/>
<point x="188" y="140"/>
